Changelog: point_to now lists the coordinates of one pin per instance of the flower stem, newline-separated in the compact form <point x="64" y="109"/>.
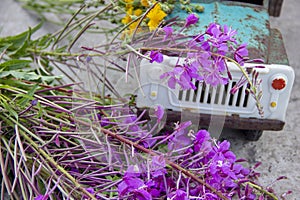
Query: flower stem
<point x="172" y="164"/>
<point x="51" y="160"/>
<point x="262" y="190"/>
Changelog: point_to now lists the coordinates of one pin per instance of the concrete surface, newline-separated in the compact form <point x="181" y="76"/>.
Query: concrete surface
<point x="279" y="152"/>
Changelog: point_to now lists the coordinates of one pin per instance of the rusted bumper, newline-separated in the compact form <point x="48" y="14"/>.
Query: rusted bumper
<point x="234" y="122"/>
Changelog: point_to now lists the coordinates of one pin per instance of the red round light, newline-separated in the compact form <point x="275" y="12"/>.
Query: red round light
<point x="278" y="83"/>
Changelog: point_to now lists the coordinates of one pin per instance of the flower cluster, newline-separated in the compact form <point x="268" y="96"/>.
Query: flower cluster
<point x="134" y="10"/>
<point x="206" y="55"/>
<point x="212" y="161"/>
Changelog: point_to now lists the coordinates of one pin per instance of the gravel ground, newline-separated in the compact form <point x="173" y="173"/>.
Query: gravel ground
<point x="278" y="151"/>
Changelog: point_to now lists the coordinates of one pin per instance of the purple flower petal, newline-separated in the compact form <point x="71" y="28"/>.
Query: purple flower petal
<point x="241" y="54"/>
<point x="90" y="190"/>
<point x="142" y="194"/>
<point x="168" y="31"/>
<point x="158" y="165"/>
<point x="159" y="112"/>
<point x="191" y="19"/>
<point x="41" y="197"/>
<point x="34" y="102"/>
<point x="156" y="56"/>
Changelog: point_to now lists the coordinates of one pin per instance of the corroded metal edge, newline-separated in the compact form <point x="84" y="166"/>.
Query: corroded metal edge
<point x="277" y="52"/>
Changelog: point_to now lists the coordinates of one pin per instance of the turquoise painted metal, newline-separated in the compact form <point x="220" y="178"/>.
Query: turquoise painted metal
<point x="250" y="20"/>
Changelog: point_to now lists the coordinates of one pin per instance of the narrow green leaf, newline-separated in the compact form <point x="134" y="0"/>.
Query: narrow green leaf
<point x="27" y="97"/>
<point x="14" y="64"/>
<point x="4" y="47"/>
<point x="18" y="43"/>
<point x="50" y="78"/>
<point x="7" y="107"/>
<point x="29" y="76"/>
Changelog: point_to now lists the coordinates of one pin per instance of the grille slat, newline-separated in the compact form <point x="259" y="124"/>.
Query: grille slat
<point x="220" y="96"/>
<point x="228" y="95"/>
<point x="213" y="95"/>
<point x="243" y="95"/>
<point x="183" y="95"/>
<point x="193" y="93"/>
<point x="198" y="91"/>
<point x="206" y="93"/>
<point x="235" y="97"/>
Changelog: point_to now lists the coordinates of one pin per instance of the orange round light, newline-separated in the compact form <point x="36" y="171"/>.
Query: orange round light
<point x="278" y="83"/>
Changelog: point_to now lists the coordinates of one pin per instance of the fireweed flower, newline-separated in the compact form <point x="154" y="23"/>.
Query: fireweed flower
<point x="223" y="171"/>
<point x="178" y="195"/>
<point x="168" y="32"/>
<point x="91" y="191"/>
<point x="208" y="63"/>
<point x="221" y="39"/>
<point x="200" y="60"/>
<point x="157" y="185"/>
<point x="34" y="102"/>
<point x="214" y="30"/>
<point x="212" y="74"/>
<point x="156" y="56"/>
<point x="136" y="132"/>
<point x="130" y="122"/>
<point x="180" y="137"/>
<point x="159" y="112"/>
<point x="181" y="75"/>
<point x="41" y="197"/>
<point x="241" y="53"/>
<point x="190" y="20"/>
<point x="133" y="185"/>
<point x="158" y="165"/>
<point x="219" y="34"/>
<point x="148" y="141"/>
<point x="229" y="34"/>
<point x="202" y="142"/>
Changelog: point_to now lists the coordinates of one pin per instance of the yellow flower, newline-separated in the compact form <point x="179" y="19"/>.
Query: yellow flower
<point x="129" y="9"/>
<point x="138" y="12"/>
<point x="133" y="26"/>
<point x="129" y="4"/>
<point x="145" y="3"/>
<point x="156" y="15"/>
<point x="126" y="19"/>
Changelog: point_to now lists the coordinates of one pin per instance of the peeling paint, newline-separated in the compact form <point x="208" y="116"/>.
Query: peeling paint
<point x="251" y="22"/>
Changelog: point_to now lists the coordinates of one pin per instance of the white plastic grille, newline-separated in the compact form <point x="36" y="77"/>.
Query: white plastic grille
<point x="208" y="97"/>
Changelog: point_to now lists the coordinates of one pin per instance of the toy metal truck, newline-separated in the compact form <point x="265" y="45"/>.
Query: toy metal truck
<point x="208" y="103"/>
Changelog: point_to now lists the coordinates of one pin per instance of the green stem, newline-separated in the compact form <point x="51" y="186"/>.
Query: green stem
<point x="67" y="25"/>
<point x="51" y="160"/>
<point x="88" y="24"/>
<point x="68" y="54"/>
<point x="262" y="190"/>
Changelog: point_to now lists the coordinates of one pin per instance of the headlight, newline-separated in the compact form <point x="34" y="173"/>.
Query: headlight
<point x="278" y="83"/>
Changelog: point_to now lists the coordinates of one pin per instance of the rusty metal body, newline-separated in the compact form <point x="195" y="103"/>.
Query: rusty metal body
<point x="251" y="20"/>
